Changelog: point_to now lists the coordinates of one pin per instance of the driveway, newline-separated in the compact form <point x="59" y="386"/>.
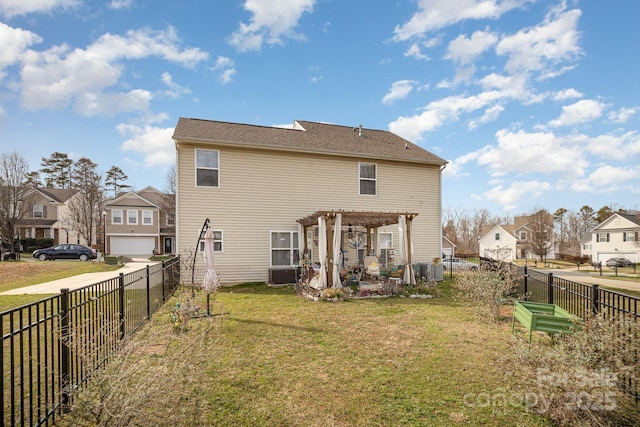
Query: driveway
<point x="587" y="276"/>
<point x="81" y="280"/>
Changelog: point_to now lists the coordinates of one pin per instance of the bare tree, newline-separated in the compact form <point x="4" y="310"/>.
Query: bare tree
<point x="170" y="190"/>
<point x="465" y="228"/>
<point x="86" y="206"/>
<point x="15" y="196"/>
<point x="541" y="240"/>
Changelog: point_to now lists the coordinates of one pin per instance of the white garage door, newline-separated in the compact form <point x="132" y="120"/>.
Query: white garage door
<point x="132" y="246"/>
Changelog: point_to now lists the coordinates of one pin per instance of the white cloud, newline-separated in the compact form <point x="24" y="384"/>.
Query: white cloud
<point x="622" y="115"/>
<point x="153" y="143"/>
<point x="121" y="4"/>
<point x="399" y="90"/>
<point x="518" y="190"/>
<point x="10" y="8"/>
<point x="435" y="14"/>
<point x="567" y="94"/>
<point x="226" y="67"/>
<point x="610" y="179"/>
<point x="530" y="153"/>
<point x="174" y="90"/>
<point x="61" y="76"/>
<point x="14" y="43"/>
<point x="464" y="50"/>
<point x="546" y="45"/>
<point x="271" y="22"/>
<point x="583" y="111"/>
<point x="490" y="114"/>
<point x="440" y="112"/>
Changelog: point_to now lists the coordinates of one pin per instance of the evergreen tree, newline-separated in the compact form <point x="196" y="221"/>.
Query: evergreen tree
<point x="113" y="178"/>
<point x="57" y="170"/>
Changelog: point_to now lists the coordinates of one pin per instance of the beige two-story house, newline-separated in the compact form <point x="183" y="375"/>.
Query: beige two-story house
<point x="47" y="217"/>
<point x="258" y="184"/>
<point x="139" y="223"/>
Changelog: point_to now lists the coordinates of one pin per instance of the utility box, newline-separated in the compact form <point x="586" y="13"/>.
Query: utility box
<point x="284" y="274"/>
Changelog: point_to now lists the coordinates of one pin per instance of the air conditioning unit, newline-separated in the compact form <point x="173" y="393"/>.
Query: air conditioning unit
<point x="284" y="274"/>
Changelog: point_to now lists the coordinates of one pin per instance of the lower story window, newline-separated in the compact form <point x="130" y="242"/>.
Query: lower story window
<point x="284" y="248"/>
<point x="217" y="241"/>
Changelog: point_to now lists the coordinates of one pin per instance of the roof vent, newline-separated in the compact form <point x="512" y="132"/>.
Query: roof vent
<point x="359" y="129"/>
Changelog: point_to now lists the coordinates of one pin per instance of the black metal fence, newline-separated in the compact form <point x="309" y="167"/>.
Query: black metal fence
<point x="577" y="298"/>
<point x="52" y="346"/>
<point x="582" y="300"/>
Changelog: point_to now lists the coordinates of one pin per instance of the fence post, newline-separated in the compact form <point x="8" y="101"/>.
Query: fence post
<point x="148" y="294"/>
<point x="595" y="299"/>
<point x="164" y="297"/>
<point x="526" y="285"/>
<point x="121" y="301"/>
<point x="65" y="369"/>
<point x="550" y="287"/>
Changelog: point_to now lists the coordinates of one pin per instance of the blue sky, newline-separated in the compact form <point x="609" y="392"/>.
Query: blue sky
<point x="533" y="103"/>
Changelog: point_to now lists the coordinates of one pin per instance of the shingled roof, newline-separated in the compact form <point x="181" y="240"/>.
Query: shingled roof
<point x="310" y="137"/>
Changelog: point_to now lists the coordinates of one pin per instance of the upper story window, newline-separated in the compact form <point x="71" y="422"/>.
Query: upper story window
<point x="132" y="217"/>
<point x="523" y="235"/>
<point x="207" y="168"/>
<point x="497" y="236"/>
<point x="603" y="237"/>
<point x="171" y="219"/>
<point x="367" y="175"/>
<point x="630" y="236"/>
<point x="116" y="216"/>
<point x="38" y="211"/>
<point x="147" y="217"/>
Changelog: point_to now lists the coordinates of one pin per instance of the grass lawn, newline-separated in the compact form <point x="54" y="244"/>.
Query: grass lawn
<point x="17" y="274"/>
<point x="277" y="359"/>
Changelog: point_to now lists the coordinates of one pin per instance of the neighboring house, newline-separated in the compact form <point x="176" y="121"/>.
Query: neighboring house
<point x="498" y="242"/>
<point x="617" y="236"/>
<point x="514" y="241"/>
<point x="47" y="217"/>
<point x="140" y="223"/>
<point x="258" y="185"/>
<point x="448" y="248"/>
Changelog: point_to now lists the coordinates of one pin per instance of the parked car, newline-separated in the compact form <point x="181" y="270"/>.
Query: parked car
<point x="619" y="262"/>
<point x="66" y="251"/>
<point x="457" y="264"/>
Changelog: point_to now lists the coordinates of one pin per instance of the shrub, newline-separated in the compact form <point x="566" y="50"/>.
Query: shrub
<point x="487" y="290"/>
<point x="581" y="378"/>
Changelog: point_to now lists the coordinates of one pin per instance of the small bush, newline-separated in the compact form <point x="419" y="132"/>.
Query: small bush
<point x="487" y="290"/>
<point x="586" y="378"/>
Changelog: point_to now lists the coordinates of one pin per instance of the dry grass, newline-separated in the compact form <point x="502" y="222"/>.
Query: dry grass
<point x="277" y="359"/>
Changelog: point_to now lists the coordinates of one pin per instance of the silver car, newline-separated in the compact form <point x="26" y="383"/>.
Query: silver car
<point x="457" y="264"/>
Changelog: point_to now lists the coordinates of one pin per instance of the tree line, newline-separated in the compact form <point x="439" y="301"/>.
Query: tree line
<point x="565" y="227"/>
<point x="17" y="182"/>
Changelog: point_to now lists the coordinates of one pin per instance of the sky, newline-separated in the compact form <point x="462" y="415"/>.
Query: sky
<point x="534" y="104"/>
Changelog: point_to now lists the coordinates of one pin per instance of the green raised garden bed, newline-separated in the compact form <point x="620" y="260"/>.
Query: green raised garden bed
<point x="537" y="316"/>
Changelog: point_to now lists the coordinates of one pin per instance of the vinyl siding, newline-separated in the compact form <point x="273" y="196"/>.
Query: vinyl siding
<point x="264" y="190"/>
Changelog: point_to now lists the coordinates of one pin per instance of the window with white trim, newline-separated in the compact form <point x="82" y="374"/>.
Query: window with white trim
<point x="207" y="168"/>
<point x="497" y="236"/>
<point x="132" y="217"/>
<point x="603" y="237"/>
<point x="367" y="176"/>
<point x="38" y="211"/>
<point x="217" y="241"/>
<point x="523" y="235"/>
<point x="629" y="236"/>
<point x="116" y="216"/>
<point x="171" y="219"/>
<point x="284" y="248"/>
<point x="147" y="217"/>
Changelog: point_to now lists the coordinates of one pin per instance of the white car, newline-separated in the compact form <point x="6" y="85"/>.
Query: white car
<point x="457" y="264"/>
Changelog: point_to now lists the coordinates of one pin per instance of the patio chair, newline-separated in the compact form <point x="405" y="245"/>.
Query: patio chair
<point x="371" y="267"/>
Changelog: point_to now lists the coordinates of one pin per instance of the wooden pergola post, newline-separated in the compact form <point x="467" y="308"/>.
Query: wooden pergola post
<point x="329" y="235"/>
<point x="368" y="241"/>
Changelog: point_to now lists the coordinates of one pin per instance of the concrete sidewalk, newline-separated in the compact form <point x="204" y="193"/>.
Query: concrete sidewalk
<point x="79" y="281"/>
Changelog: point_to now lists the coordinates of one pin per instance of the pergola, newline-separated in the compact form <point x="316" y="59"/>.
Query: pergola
<point x="369" y="220"/>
